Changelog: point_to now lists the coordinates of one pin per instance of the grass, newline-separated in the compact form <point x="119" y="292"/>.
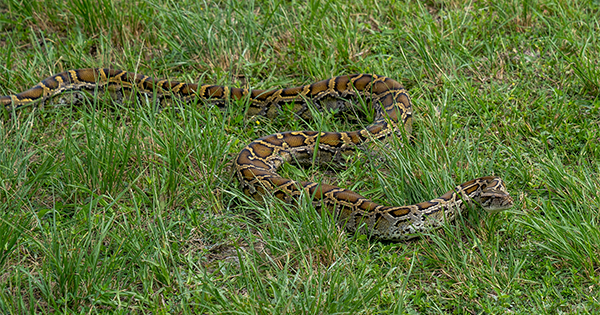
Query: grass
<point x="131" y="209"/>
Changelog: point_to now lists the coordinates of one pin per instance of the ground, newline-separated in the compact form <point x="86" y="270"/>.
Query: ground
<point x="134" y="209"/>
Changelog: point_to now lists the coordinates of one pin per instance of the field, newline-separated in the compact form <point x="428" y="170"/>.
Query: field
<point x="134" y="209"/>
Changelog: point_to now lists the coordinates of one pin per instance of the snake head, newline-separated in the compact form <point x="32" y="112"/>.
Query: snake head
<point x="496" y="201"/>
<point x="494" y="197"/>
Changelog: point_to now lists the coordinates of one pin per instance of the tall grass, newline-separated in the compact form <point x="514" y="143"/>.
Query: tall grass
<point x="131" y="208"/>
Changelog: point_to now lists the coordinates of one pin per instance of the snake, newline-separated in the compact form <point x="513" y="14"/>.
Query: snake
<point x="257" y="163"/>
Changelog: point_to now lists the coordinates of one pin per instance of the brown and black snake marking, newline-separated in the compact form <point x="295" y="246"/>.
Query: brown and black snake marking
<point x="257" y="163"/>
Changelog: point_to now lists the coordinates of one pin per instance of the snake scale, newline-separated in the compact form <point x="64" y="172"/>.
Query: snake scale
<point x="256" y="165"/>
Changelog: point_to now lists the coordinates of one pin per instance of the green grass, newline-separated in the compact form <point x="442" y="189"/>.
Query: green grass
<point x="131" y="209"/>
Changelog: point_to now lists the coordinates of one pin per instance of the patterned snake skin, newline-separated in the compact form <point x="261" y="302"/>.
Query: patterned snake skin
<point x="257" y="163"/>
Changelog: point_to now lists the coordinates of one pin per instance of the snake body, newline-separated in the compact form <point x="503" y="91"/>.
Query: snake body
<point x="256" y="165"/>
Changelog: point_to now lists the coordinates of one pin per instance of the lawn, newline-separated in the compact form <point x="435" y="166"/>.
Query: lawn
<point x="131" y="208"/>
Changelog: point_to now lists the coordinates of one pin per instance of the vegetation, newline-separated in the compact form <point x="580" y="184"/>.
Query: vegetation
<point x="131" y="209"/>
